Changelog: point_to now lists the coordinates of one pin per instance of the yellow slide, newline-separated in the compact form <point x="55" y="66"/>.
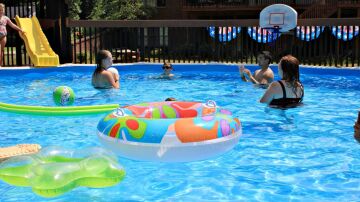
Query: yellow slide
<point x="37" y="45"/>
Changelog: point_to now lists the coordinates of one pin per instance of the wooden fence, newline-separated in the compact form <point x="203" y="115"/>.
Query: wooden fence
<point x="327" y="42"/>
<point x="330" y="41"/>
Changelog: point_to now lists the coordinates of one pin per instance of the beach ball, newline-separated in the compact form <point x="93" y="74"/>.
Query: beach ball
<point x="113" y="70"/>
<point x="63" y="95"/>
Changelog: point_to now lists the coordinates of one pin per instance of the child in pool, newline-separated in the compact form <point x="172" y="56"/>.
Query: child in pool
<point x="170" y="99"/>
<point x="102" y="77"/>
<point x="167" y="67"/>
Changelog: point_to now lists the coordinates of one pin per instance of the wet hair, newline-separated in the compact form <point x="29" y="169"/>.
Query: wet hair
<point x="170" y="99"/>
<point x="102" y="54"/>
<point x="167" y="65"/>
<point x="290" y="68"/>
<point x="267" y="55"/>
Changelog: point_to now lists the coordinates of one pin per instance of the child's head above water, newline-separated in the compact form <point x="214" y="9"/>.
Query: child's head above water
<point x="170" y="99"/>
<point x="167" y="66"/>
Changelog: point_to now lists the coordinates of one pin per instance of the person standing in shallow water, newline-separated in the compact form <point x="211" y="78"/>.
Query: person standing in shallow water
<point x="4" y="20"/>
<point x="287" y="92"/>
<point x="262" y="76"/>
<point x="102" y="77"/>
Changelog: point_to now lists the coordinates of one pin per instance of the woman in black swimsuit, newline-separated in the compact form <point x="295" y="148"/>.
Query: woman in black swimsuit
<point x="287" y="92"/>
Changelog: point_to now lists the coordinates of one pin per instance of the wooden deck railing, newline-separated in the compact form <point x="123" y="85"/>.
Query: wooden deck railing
<point x="190" y="41"/>
<point x="320" y="9"/>
<point x="240" y="3"/>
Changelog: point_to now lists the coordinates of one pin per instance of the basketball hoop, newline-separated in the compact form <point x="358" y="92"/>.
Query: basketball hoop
<point x="274" y="32"/>
<point x="274" y="29"/>
<point x="278" y="18"/>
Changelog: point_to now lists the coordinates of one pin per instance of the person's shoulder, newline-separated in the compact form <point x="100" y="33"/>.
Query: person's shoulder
<point x="107" y="73"/>
<point x="274" y="84"/>
<point x="269" y="72"/>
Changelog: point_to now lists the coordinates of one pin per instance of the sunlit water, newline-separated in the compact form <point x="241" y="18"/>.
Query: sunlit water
<point x="300" y="154"/>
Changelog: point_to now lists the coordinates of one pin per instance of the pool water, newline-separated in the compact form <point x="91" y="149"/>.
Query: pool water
<point x="300" y="154"/>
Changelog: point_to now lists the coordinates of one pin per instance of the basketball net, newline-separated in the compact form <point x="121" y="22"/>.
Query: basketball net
<point x="274" y="33"/>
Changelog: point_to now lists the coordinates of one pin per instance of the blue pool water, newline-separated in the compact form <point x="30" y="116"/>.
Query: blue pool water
<point x="300" y="154"/>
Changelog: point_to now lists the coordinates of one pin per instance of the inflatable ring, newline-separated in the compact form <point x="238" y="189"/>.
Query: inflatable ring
<point x="55" y="171"/>
<point x="170" y="131"/>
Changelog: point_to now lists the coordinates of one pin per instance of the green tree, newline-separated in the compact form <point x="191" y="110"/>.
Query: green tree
<point x="109" y="9"/>
<point x="87" y="7"/>
<point x="74" y="9"/>
<point x="121" y="10"/>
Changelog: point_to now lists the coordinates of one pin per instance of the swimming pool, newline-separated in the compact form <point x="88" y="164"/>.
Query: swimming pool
<point x="301" y="154"/>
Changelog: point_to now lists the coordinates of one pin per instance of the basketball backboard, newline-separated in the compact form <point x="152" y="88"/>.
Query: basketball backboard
<point x="278" y="16"/>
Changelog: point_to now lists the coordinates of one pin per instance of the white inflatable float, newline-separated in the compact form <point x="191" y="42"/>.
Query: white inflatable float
<point x="170" y="131"/>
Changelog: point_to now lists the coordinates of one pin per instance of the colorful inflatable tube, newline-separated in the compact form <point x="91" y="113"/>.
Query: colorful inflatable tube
<point x="57" y="111"/>
<point x="55" y="171"/>
<point x="170" y="131"/>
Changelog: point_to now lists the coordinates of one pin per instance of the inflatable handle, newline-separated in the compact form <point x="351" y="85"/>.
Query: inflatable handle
<point x="211" y="103"/>
<point x="119" y="112"/>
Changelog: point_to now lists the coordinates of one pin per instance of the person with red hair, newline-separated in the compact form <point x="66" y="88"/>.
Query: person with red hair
<point x="287" y="92"/>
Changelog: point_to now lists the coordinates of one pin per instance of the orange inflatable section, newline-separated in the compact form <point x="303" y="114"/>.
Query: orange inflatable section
<point x="187" y="131"/>
<point x="185" y="109"/>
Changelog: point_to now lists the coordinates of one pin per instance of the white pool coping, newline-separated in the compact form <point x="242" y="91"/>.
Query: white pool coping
<point x="147" y="63"/>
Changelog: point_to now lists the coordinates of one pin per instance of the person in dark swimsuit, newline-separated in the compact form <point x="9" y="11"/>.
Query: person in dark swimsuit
<point x="287" y="92"/>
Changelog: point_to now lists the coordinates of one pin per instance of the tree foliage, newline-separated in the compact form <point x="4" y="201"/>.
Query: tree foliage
<point x="74" y="9"/>
<point x="109" y="9"/>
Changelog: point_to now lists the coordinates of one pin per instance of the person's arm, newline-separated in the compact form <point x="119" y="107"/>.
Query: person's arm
<point x="357" y="131"/>
<point x="241" y="71"/>
<point x="112" y="81"/>
<point x="12" y="25"/>
<point x="270" y="93"/>
<point x="357" y="128"/>
<point x="250" y="77"/>
<point x="268" y="77"/>
<point x="117" y="79"/>
<point x="246" y="73"/>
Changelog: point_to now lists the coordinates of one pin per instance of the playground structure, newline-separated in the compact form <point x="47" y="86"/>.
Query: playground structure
<point x="36" y="43"/>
